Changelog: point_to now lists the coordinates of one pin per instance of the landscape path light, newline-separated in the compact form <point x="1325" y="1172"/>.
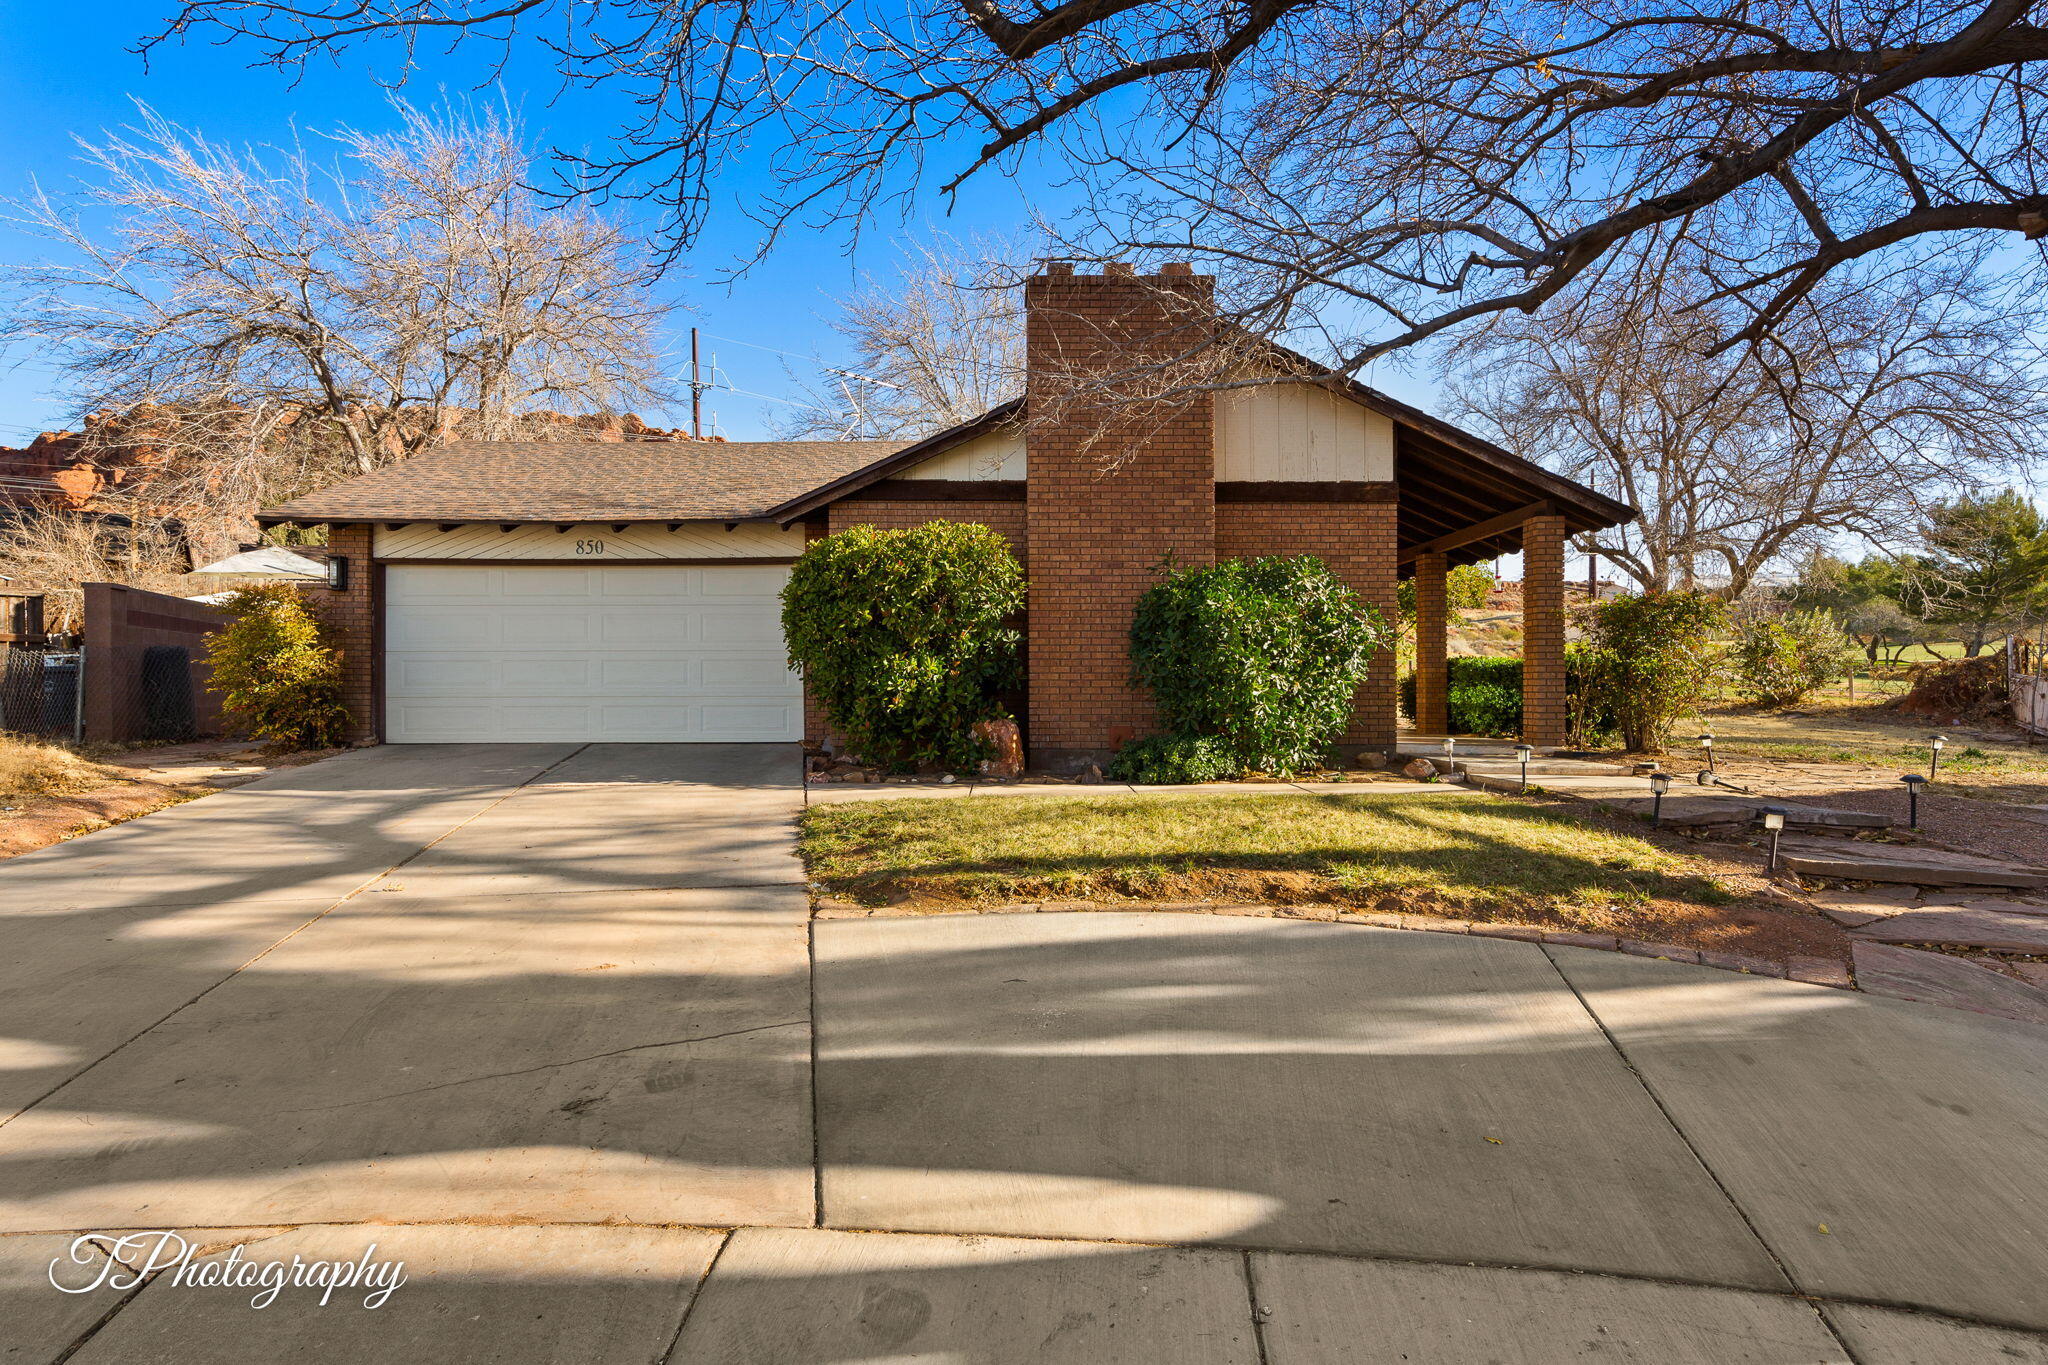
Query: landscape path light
<point x="1774" y="821"/>
<point x="1660" y="782"/>
<point x="1934" y="748"/>
<point x="1914" y="782"/>
<point x="1525" y="752"/>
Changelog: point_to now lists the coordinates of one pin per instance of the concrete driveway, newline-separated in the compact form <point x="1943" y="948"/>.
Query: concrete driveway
<point x="551" y="1025"/>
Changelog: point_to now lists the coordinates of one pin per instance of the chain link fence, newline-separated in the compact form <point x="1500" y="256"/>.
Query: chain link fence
<point x="39" y="690"/>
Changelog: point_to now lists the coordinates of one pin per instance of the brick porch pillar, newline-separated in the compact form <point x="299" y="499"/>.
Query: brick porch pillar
<point x="1432" y="667"/>
<point x="1543" y="705"/>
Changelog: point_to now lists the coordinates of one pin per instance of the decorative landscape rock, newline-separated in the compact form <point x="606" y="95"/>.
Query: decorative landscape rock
<point x="1001" y="736"/>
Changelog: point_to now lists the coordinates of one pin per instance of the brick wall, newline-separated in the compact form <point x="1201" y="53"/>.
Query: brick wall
<point x="1432" y="625"/>
<point x="120" y="624"/>
<point x="1543" y="702"/>
<point x="1116" y="482"/>
<point x="1357" y="541"/>
<point x="352" y="614"/>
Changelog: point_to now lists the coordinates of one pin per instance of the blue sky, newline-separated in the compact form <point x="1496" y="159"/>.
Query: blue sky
<point x="70" y="72"/>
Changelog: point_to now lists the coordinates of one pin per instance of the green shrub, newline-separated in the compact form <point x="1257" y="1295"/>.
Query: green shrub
<point x="1160" y="759"/>
<point x="1589" y="717"/>
<point x="1266" y="654"/>
<point x="900" y="636"/>
<point x="1484" y="709"/>
<point x="277" y="672"/>
<point x="1650" y="661"/>
<point x="1779" y="659"/>
<point x="1477" y="706"/>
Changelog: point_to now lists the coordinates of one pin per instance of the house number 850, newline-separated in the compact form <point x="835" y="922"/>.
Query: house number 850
<point x="589" y="547"/>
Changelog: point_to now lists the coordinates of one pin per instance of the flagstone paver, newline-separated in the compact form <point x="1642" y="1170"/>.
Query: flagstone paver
<point x="1939" y="979"/>
<point x="1860" y="861"/>
<point x="1974" y="927"/>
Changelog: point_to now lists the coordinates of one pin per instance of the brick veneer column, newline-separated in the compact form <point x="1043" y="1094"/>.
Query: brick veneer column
<point x="1432" y="667"/>
<point x="1543" y="705"/>
<point x="1116" y="483"/>
<point x="352" y="615"/>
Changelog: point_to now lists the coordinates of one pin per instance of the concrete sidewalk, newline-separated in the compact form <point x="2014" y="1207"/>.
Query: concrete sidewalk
<point x="553" y="1027"/>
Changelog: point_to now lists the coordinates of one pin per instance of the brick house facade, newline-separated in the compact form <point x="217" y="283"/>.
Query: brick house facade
<point x="517" y="591"/>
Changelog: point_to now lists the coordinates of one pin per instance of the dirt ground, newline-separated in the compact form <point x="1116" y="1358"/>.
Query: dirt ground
<point x="1989" y="795"/>
<point x="152" y="777"/>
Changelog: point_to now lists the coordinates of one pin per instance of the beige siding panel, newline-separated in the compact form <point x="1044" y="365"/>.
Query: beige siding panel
<point x="1299" y="433"/>
<point x="995" y="455"/>
<point x="594" y="542"/>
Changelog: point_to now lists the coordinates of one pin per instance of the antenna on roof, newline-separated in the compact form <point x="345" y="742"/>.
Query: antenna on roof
<point x="697" y="387"/>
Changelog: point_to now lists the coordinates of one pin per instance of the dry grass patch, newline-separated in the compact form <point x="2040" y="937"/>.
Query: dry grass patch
<point x="31" y="770"/>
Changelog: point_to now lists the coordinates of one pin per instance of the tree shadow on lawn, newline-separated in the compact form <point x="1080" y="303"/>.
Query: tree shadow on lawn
<point x="1544" y="858"/>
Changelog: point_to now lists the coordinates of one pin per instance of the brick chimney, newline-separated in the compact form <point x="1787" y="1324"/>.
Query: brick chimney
<point x="1117" y="482"/>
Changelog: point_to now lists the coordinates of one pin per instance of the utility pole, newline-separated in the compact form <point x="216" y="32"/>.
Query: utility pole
<point x="696" y="390"/>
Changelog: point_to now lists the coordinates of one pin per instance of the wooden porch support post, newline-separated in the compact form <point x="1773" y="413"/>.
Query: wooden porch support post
<point x="1432" y="668"/>
<point x="1543" y="704"/>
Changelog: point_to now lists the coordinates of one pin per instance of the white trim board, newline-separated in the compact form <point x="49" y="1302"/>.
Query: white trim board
<point x="593" y="541"/>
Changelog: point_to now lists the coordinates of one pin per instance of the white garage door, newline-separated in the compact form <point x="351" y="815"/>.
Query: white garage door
<point x="543" y="653"/>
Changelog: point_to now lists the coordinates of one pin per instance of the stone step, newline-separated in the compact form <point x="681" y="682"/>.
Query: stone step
<point x="1691" y="812"/>
<point x="1865" y="862"/>
<point x="1961" y="927"/>
<point x="1544" y="767"/>
<point x="1938" y="979"/>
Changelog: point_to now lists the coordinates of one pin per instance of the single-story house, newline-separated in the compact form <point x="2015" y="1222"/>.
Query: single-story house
<point x="513" y="591"/>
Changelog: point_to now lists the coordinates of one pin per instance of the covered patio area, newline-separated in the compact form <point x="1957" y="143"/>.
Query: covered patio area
<point x="1464" y="501"/>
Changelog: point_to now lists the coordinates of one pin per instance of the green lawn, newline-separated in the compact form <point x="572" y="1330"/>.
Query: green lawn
<point x="1456" y="854"/>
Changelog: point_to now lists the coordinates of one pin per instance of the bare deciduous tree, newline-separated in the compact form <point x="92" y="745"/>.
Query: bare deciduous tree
<point x="55" y="551"/>
<point x="1873" y="398"/>
<point x="940" y="343"/>
<point x="1420" y="164"/>
<point x="359" y="301"/>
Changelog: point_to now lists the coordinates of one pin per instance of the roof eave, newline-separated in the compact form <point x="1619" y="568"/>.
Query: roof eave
<point x="796" y="508"/>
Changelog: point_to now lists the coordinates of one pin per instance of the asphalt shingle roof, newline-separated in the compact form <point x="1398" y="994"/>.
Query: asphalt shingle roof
<point x="588" y="481"/>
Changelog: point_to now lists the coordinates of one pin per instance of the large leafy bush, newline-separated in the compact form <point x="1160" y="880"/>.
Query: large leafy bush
<point x="1264" y="654"/>
<point x="901" y="637"/>
<point x="1650" y="661"/>
<point x="1779" y="659"/>
<point x="276" y="670"/>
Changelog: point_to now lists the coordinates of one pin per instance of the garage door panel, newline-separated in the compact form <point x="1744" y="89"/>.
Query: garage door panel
<point x="543" y="585"/>
<point x="655" y="626"/>
<point x="519" y="654"/>
<point x="748" y="673"/>
<point x="740" y="627"/>
<point x="439" y="629"/>
<point x="675" y="674"/>
<point x="656" y="584"/>
<point x="750" y="581"/>
<point x="435" y="584"/>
